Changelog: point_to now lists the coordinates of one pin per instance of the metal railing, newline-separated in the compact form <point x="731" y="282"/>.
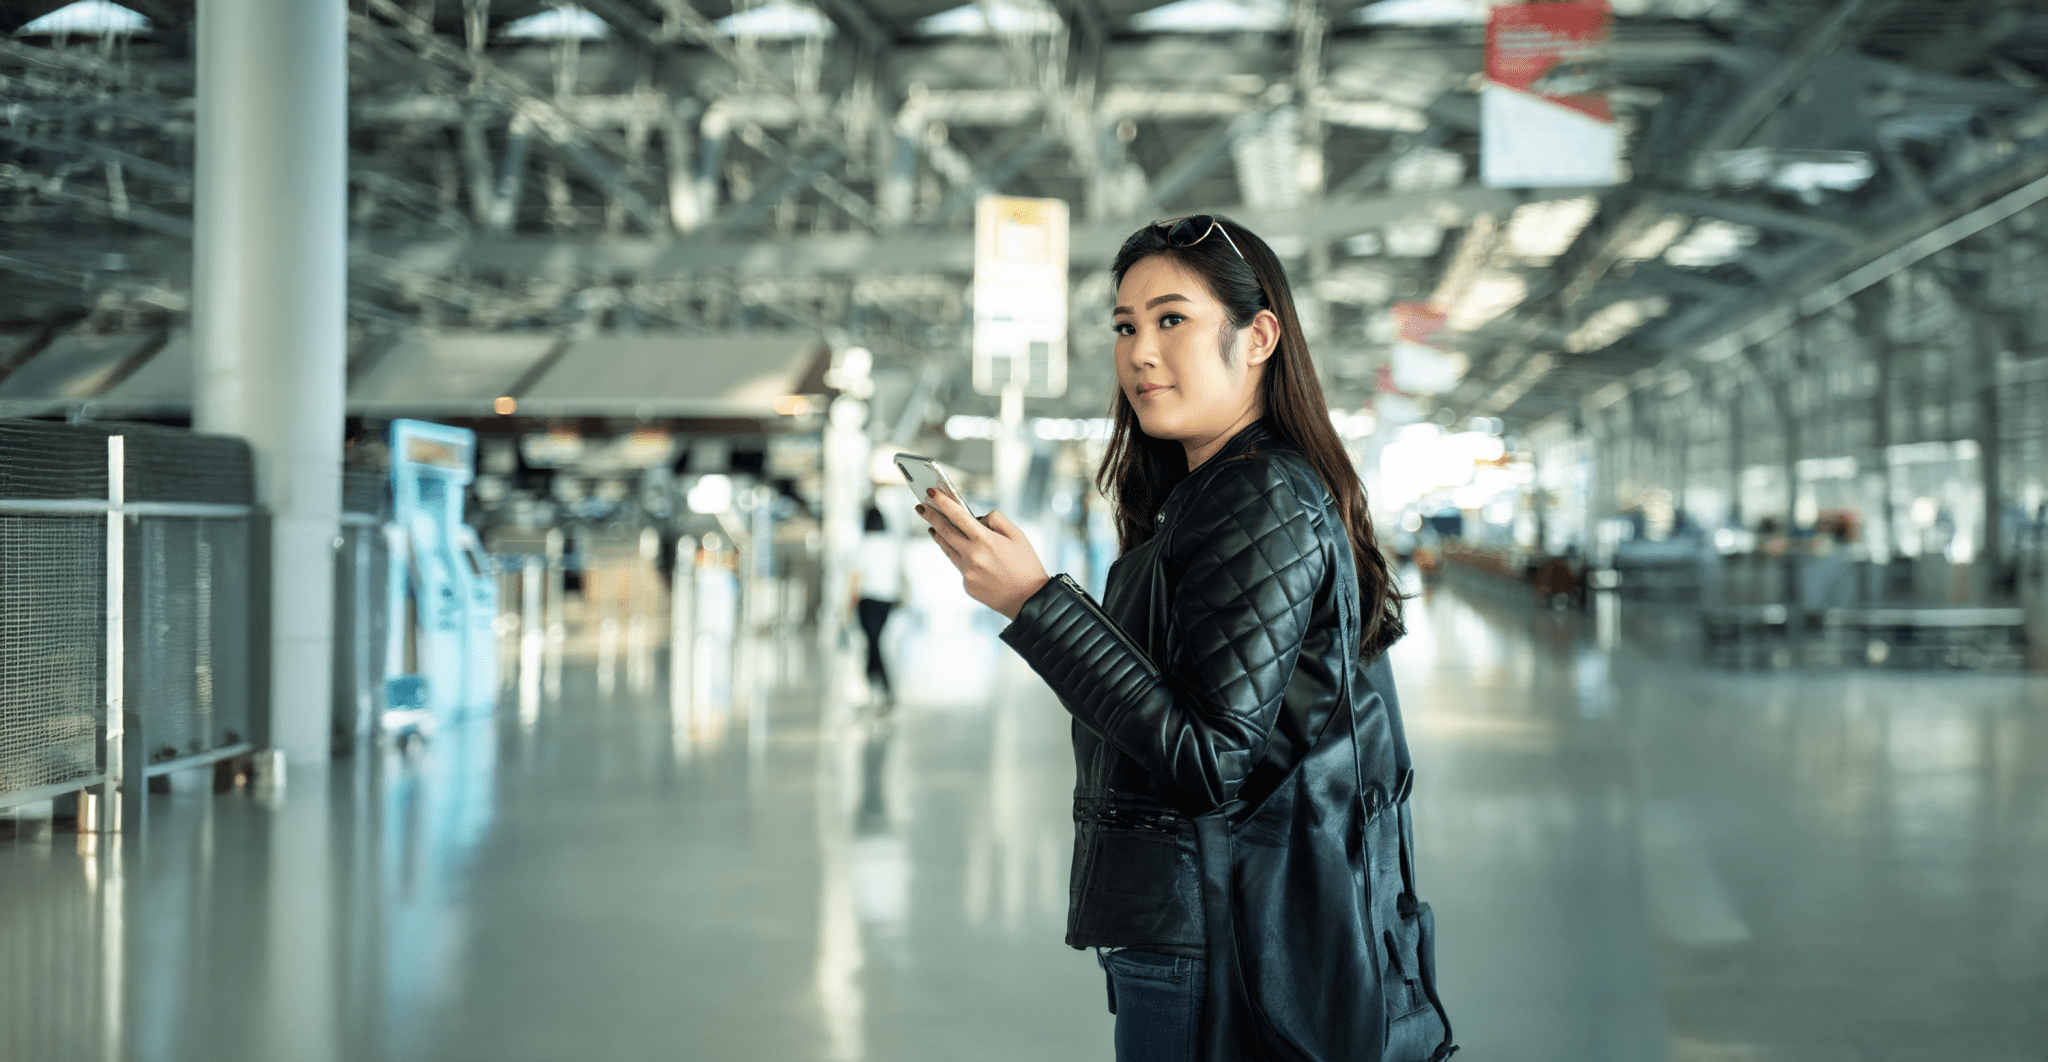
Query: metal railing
<point x="125" y="562"/>
<point x="360" y="612"/>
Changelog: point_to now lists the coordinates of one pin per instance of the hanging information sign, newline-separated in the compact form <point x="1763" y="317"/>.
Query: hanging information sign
<point x="1543" y="113"/>
<point x="1423" y="361"/>
<point x="1020" y="296"/>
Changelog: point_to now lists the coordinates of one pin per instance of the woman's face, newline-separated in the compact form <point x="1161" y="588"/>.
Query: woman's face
<point x="1187" y="373"/>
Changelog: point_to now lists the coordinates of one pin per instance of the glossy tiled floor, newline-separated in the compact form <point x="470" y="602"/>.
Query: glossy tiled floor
<point x="1631" y="859"/>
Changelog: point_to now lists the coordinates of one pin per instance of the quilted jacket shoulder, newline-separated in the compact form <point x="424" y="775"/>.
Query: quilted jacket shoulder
<point x="1190" y="684"/>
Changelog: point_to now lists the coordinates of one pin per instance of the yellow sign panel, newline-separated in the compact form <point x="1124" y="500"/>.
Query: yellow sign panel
<point x="436" y="453"/>
<point x="1020" y="296"/>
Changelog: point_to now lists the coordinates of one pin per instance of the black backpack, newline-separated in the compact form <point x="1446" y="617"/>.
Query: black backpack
<point x="1301" y="985"/>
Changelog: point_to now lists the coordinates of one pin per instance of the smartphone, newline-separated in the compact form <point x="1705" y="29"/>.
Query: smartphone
<point x="923" y="473"/>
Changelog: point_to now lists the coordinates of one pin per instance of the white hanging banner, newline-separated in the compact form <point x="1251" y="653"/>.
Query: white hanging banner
<point x="1544" y="120"/>
<point x="1423" y="363"/>
<point x="1020" y="296"/>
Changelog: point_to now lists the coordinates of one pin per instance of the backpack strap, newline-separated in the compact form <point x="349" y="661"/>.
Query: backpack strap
<point x="1375" y="800"/>
<point x="1412" y="907"/>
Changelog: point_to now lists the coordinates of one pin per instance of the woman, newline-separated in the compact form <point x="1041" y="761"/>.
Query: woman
<point x="877" y="575"/>
<point x="1241" y="853"/>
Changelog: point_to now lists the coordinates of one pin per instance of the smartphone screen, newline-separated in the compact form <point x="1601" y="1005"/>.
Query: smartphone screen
<point x="923" y="473"/>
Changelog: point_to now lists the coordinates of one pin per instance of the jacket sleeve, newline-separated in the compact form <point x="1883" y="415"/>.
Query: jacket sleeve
<point x="1251" y="560"/>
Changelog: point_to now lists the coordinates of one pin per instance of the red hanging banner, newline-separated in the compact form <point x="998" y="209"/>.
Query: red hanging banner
<point x="1544" y="116"/>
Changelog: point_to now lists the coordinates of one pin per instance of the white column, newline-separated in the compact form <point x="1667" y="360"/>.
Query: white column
<point x="1012" y="452"/>
<point x="269" y="305"/>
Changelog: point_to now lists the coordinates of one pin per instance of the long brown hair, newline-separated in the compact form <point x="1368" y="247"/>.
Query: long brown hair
<point x="1138" y="471"/>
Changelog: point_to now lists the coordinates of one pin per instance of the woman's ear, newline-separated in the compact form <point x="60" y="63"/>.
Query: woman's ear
<point x="1262" y="338"/>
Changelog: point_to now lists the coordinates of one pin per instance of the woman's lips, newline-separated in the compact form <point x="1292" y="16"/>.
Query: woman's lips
<point x="1147" y="390"/>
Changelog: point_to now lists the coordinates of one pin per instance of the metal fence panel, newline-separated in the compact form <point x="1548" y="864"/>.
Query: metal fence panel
<point x="359" y="631"/>
<point x="52" y="649"/>
<point x="175" y="465"/>
<point x="360" y="589"/>
<point x="178" y="517"/>
<point x="187" y="633"/>
<point x="39" y="460"/>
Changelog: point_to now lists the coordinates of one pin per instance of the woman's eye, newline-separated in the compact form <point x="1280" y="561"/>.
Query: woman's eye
<point x="1170" y="320"/>
<point x="1124" y="328"/>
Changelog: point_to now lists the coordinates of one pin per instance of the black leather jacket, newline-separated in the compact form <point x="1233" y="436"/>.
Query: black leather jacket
<point x="1210" y="778"/>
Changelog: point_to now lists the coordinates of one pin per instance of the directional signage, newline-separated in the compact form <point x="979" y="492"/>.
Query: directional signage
<point x="1543" y="114"/>
<point x="1020" y="296"/>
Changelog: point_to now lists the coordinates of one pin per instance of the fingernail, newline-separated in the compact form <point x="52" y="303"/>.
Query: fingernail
<point x="931" y="492"/>
<point x="920" y="510"/>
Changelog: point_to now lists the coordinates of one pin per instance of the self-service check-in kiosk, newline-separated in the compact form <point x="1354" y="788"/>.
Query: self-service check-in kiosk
<point x="443" y="590"/>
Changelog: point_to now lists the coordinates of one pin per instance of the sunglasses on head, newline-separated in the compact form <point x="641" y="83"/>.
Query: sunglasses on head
<point x="1193" y="229"/>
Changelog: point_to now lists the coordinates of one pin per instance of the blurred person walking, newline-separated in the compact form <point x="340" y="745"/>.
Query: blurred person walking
<point x="1243" y="859"/>
<point x="877" y="586"/>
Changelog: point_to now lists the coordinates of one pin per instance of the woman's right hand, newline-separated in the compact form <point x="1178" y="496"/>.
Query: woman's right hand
<point x="997" y="564"/>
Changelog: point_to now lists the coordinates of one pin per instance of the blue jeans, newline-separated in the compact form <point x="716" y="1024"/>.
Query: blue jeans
<point x="1157" y="1000"/>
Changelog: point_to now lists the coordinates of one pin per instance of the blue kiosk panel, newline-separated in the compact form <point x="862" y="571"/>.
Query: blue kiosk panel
<point x="440" y="580"/>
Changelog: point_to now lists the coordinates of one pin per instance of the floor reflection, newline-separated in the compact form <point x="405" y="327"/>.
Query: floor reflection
<point x="721" y="846"/>
<point x="1721" y="865"/>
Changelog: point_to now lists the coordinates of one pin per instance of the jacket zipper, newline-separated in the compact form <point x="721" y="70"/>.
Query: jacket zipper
<point x="1096" y="611"/>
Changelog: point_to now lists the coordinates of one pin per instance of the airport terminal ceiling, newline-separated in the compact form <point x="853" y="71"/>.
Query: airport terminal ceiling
<point x="652" y="167"/>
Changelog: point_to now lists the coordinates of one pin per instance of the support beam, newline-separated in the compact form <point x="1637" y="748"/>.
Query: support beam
<point x="1091" y="244"/>
<point x="1656" y="278"/>
<point x="896" y="188"/>
<point x="1712" y="333"/>
<point x="1088" y="25"/>
<point x="822" y="181"/>
<point x="168" y="17"/>
<point x="1625" y="212"/>
<point x="677" y="140"/>
<point x="1911" y="184"/>
<point x="1883" y="533"/>
<point x="681" y="21"/>
<point x="1203" y="156"/>
<point x="1763" y="217"/>
<point x="476" y="165"/>
<point x="850" y="254"/>
<point x="1367" y="177"/>
<point x="504" y="211"/>
<point x="1958" y="46"/>
<point x="991" y="181"/>
<point x="631" y="24"/>
<point x="1838" y="29"/>
<point x="141" y="217"/>
<point x="35" y="344"/>
<point x="753" y="210"/>
<point x="715" y="131"/>
<point x="270" y="269"/>
<point x="1311" y="30"/>
<point x="855" y="18"/>
<point x="179" y="180"/>
<point x="561" y="132"/>
<point x="572" y="149"/>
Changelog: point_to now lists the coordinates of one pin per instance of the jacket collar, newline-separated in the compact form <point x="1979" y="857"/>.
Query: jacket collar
<point x="1261" y="432"/>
